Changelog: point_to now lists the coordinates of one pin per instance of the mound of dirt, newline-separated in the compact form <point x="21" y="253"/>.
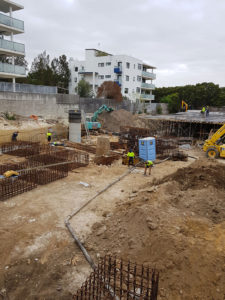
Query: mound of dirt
<point x="177" y="226"/>
<point x="112" y="121"/>
<point x="201" y="174"/>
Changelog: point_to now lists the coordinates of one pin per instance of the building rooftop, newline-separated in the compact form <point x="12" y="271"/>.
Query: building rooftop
<point x="100" y="52"/>
<point x="148" y="66"/>
<point x="6" y="4"/>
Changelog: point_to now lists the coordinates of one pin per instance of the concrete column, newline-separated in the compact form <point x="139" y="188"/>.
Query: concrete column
<point x="14" y="84"/>
<point x="10" y="13"/>
<point x="93" y="83"/>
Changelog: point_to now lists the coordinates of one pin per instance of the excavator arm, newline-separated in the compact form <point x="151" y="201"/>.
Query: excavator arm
<point x="184" y="105"/>
<point x="100" y="110"/>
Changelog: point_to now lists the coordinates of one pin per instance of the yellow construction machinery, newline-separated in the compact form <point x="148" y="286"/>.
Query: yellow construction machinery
<point x="215" y="146"/>
<point x="184" y="106"/>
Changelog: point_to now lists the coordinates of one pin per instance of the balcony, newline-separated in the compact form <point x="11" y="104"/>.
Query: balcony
<point x="117" y="70"/>
<point x="8" y="25"/>
<point x="8" y="47"/>
<point x="147" y="97"/>
<point x="11" y="71"/>
<point x="147" y="86"/>
<point x="149" y="75"/>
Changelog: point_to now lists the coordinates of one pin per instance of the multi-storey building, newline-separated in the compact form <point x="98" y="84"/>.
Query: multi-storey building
<point x="131" y="74"/>
<point x="9" y="49"/>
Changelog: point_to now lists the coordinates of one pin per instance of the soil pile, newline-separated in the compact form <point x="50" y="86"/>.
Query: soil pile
<point x="112" y="121"/>
<point x="178" y="226"/>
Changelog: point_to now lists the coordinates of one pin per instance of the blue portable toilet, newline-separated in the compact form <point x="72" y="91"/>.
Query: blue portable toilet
<point x="147" y="148"/>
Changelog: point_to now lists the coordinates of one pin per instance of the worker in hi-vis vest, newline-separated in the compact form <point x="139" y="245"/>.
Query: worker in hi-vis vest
<point x="130" y="156"/>
<point x="148" y="165"/>
<point x="49" y="136"/>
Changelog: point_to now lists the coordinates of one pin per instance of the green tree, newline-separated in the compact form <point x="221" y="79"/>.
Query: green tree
<point x="41" y="71"/>
<point x="83" y="88"/>
<point x="206" y="93"/>
<point x="46" y="72"/>
<point x="61" y="73"/>
<point x="173" y="102"/>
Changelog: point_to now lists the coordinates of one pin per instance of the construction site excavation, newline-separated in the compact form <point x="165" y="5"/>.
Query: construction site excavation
<point x="123" y="206"/>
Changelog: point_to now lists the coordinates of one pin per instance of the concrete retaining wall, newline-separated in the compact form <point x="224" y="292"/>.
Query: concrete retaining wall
<point x="55" y="106"/>
<point x="152" y="108"/>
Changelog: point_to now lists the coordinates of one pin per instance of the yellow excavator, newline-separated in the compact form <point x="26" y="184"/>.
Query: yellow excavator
<point x="184" y="106"/>
<point x="215" y="146"/>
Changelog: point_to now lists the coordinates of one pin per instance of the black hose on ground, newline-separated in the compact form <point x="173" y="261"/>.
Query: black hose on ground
<point x="67" y="220"/>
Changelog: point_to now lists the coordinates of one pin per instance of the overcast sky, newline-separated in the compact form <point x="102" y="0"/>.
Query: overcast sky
<point x="184" y="39"/>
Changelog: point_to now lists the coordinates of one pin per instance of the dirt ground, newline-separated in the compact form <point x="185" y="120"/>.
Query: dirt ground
<point x="173" y="220"/>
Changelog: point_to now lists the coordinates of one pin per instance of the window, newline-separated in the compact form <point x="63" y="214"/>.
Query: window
<point x="133" y="78"/>
<point x="75" y="79"/>
<point x="76" y="69"/>
<point x="128" y="65"/>
<point x="101" y="64"/>
<point x="139" y="66"/>
<point x="108" y="64"/>
<point x="138" y="78"/>
<point x="138" y="90"/>
<point x="127" y="78"/>
<point x="126" y="90"/>
<point x="107" y="76"/>
<point x="100" y="76"/>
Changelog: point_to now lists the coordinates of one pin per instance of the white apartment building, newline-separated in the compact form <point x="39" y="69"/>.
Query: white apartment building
<point x="9" y="27"/>
<point x="131" y="74"/>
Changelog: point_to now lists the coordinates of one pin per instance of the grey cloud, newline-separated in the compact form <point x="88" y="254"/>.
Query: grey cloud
<point x="184" y="39"/>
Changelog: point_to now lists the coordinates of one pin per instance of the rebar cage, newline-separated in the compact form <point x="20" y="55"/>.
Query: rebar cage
<point x="119" y="279"/>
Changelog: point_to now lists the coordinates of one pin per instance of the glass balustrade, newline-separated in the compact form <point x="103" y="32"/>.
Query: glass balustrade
<point x="11" y="22"/>
<point x="12" y="69"/>
<point x="12" y="46"/>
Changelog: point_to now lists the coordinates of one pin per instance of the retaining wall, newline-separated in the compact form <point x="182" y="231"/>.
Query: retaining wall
<point x="55" y="106"/>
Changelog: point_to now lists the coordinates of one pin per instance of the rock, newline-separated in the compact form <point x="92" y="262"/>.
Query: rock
<point x="153" y="189"/>
<point x="28" y="261"/>
<point x="109" y="215"/>
<point x="105" y="214"/>
<point x="152" y="226"/>
<point x="101" y="230"/>
<point x="145" y="198"/>
<point x="132" y="196"/>
<point x="215" y="210"/>
<point x="58" y="289"/>
<point x="122" y="191"/>
<point x="134" y="191"/>
<point x="148" y="219"/>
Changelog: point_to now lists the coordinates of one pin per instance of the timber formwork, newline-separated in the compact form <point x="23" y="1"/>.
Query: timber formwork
<point x="106" y="160"/>
<point x="118" y="279"/>
<point x="82" y="147"/>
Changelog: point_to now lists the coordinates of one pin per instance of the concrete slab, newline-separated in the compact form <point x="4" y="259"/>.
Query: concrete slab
<point x="191" y="116"/>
